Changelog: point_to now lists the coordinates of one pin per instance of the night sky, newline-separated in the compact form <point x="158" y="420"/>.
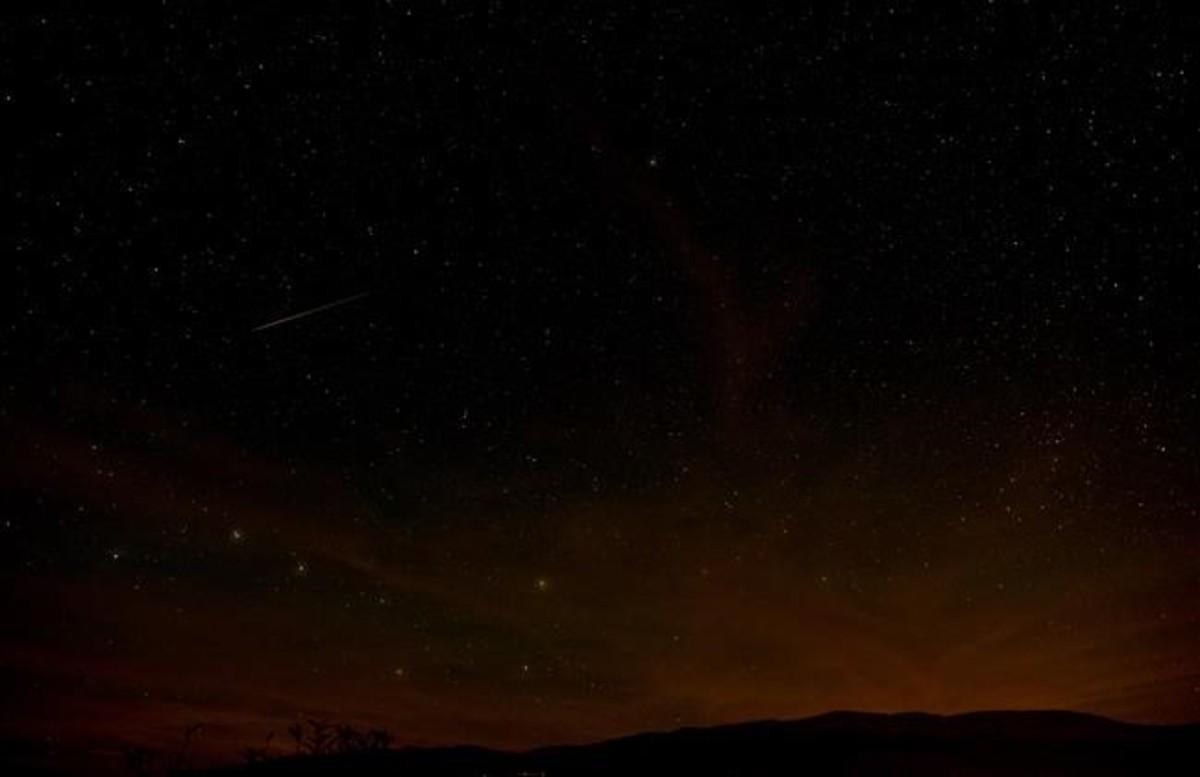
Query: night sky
<point x="688" y="368"/>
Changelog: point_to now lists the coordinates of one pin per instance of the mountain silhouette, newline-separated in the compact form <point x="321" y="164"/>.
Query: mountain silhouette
<point x="837" y="743"/>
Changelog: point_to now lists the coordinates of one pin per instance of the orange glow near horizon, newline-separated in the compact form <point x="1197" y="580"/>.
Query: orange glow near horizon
<point x="687" y="609"/>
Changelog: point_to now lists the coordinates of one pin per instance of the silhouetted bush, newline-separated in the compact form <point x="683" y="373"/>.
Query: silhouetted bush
<point x="145" y="761"/>
<point x="312" y="736"/>
<point x="319" y="736"/>
<point x="253" y="755"/>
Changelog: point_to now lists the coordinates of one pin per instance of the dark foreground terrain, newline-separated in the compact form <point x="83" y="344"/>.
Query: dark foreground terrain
<point x="983" y="743"/>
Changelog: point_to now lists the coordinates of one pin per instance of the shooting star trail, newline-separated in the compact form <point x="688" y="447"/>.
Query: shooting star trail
<point x="310" y="311"/>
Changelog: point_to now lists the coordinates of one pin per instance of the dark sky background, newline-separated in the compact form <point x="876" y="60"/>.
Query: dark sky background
<point x="711" y="367"/>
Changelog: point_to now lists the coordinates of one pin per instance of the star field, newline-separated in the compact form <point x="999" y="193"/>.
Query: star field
<point x="693" y="367"/>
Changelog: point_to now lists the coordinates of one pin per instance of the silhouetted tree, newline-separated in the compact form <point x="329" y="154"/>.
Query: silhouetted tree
<point x="378" y="739"/>
<point x="346" y="739"/>
<point x="253" y="755"/>
<point x="140" y="761"/>
<point x="144" y="761"/>
<point x="320" y="736"/>
<point x="180" y="759"/>
<point x="296" y="731"/>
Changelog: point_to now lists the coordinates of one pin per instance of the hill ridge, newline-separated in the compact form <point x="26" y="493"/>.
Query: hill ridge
<point x="988" y="742"/>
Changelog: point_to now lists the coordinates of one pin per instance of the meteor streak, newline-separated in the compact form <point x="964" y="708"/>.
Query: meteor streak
<point x="310" y="311"/>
